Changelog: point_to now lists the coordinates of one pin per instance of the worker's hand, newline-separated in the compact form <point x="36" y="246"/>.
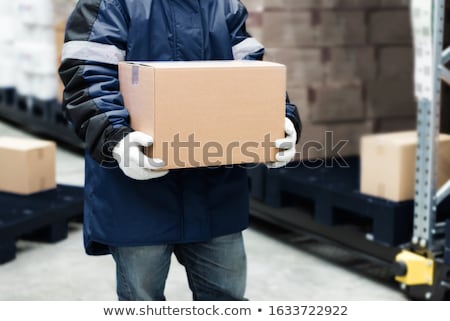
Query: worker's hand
<point x="132" y="160"/>
<point x="286" y="146"/>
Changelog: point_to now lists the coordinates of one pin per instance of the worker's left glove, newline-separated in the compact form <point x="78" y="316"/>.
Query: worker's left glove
<point x="286" y="146"/>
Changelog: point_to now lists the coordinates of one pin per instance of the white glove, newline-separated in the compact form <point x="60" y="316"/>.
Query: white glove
<point x="132" y="160"/>
<point x="286" y="146"/>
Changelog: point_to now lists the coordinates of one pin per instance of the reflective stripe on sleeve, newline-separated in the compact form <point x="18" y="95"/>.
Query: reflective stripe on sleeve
<point x="94" y="51"/>
<point x="246" y="47"/>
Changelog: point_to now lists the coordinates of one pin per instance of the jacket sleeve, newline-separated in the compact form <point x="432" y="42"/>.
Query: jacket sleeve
<point x="247" y="47"/>
<point x="95" y="42"/>
<point x="244" y="46"/>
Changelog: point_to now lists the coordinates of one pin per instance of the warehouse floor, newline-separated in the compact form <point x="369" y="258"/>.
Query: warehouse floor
<point x="283" y="266"/>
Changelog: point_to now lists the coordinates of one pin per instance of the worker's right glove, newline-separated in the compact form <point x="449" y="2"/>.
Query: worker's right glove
<point x="133" y="162"/>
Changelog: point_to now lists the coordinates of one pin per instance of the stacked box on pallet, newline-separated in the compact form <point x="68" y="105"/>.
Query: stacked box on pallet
<point x="28" y="165"/>
<point x="349" y="66"/>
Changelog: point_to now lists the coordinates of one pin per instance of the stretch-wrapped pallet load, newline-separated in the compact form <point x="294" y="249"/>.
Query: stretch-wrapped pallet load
<point x="62" y="10"/>
<point x="35" y="49"/>
<point x="349" y="67"/>
<point x="7" y="60"/>
<point x="31" y="39"/>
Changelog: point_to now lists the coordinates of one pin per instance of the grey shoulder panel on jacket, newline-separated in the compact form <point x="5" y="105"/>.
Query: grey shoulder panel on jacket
<point x="81" y="21"/>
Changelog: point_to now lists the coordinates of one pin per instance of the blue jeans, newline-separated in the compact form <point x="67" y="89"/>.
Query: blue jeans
<point x="216" y="270"/>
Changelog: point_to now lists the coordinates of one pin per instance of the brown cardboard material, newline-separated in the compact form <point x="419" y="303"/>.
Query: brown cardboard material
<point x="337" y="102"/>
<point x="313" y="28"/>
<point x="332" y="141"/>
<point x="385" y="29"/>
<point x="304" y="66"/>
<point x="388" y="164"/>
<point x="27" y="165"/>
<point x="346" y="64"/>
<point x="395" y="61"/>
<point x="206" y="113"/>
<point x="391" y="97"/>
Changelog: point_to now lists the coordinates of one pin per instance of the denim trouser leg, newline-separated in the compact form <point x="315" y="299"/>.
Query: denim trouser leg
<point x="216" y="270"/>
<point x="141" y="272"/>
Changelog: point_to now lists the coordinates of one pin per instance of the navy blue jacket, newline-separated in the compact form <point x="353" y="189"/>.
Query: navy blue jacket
<point x="188" y="205"/>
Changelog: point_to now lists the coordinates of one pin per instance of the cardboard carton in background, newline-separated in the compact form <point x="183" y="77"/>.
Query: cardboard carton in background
<point x="207" y="113"/>
<point x="388" y="164"/>
<point x="27" y="165"/>
<point x="352" y="58"/>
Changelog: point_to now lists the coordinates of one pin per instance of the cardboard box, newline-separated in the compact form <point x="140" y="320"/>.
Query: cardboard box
<point x="27" y="165"/>
<point x="391" y="97"/>
<point x="351" y="30"/>
<point x="206" y="113"/>
<point x="304" y="66"/>
<point x="314" y="28"/>
<point x="393" y="124"/>
<point x="390" y="27"/>
<point x="345" y="64"/>
<point x="278" y="29"/>
<point x="331" y="142"/>
<point x="338" y="102"/>
<point x="396" y="62"/>
<point x="388" y="164"/>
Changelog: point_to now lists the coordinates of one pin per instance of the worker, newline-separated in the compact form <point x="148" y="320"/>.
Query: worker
<point x="133" y="211"/>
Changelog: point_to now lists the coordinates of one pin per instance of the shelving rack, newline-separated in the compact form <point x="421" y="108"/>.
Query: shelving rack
<point x="430" y="235"/>
<point x="321" y="201"/>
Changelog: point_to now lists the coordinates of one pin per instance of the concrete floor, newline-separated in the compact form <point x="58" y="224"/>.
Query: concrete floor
<point x="282" y="266"/>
